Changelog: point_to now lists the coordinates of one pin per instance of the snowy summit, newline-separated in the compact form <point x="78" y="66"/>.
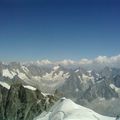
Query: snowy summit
<point x="65" y="109"/>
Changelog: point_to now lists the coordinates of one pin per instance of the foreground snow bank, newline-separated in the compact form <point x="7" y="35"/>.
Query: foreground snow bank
<point x="65" y="109"/>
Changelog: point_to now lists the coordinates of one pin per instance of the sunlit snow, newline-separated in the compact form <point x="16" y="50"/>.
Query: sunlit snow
<point x="65" y="109"/>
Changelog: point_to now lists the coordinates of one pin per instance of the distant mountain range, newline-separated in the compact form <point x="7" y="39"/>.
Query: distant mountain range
<point x="98" y="89"/>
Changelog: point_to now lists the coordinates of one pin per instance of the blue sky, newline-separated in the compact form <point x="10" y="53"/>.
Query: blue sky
<point x="59" y="29"/>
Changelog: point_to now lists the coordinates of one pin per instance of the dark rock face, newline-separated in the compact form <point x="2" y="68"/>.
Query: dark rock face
<point x="89" y="91"/>
<point x="68" y="88"/>
<point x="20" y="103"/>
<point x="3" y="97"/>
<point x="101" y="90"/>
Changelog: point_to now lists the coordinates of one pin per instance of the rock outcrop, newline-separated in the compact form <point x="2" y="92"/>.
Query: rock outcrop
<point x="19" y="103"/>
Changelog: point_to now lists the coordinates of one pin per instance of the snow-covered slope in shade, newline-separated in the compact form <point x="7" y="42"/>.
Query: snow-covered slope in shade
<point x="5" y="85"/>
<point x="65" y="109"/>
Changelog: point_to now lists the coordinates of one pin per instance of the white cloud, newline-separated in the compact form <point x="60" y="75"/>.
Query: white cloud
<point x="115" y="58"/>
<point x="85" y="61"/>
<point x="44" y="62"/>
<point x="99" y="62"/>
<point x="66" y="62"/>
<point x="102" y="59"/>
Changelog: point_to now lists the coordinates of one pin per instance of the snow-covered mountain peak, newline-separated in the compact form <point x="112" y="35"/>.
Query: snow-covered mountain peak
<point x="65" y="109"/>
<point x="56" y="67"/>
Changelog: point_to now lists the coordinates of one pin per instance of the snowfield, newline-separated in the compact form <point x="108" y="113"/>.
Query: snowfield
<point x="65" y="109"/>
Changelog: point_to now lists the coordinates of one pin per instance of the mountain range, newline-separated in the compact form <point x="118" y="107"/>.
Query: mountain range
<point x="98" y="89"/>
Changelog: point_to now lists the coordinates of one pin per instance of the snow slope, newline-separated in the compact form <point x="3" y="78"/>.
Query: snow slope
<point x="5" y="85"/>
<point x="29" y="87"/>
<point x="65" y="109"/>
